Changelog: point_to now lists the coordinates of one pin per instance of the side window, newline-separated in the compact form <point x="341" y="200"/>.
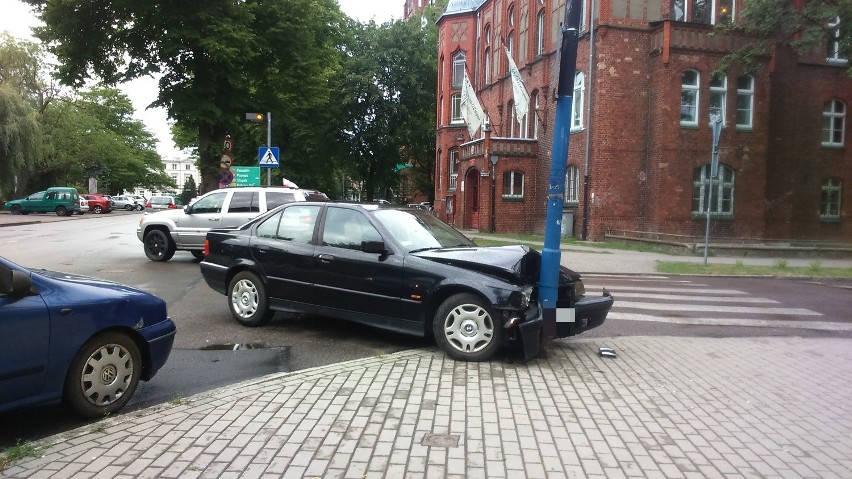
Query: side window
<point x="278" y="198"/>
<point x="345" y="228"/>
<point x="244" y="202"/>
<point x="297" y="223"/>
<point x="210" y="203"/>
<point x="269" y="227"/>
<point x="51" y="196"/>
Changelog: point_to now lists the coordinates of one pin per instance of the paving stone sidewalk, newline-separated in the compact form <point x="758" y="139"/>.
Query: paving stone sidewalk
<point x="665" y="407"/>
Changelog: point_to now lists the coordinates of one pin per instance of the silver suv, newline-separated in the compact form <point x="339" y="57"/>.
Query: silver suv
<point x="166" y="231"/>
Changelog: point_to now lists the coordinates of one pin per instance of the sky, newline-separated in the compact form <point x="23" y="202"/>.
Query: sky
<point x="17" y="19"/>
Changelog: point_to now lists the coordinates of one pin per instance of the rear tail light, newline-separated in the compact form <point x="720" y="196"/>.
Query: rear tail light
<point x="172" y="206"/>
<point x="206" y="248"/>
<point x="147" y="205"/>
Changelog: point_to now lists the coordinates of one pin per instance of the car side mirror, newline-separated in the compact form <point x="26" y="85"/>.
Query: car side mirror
<point x="377" y="247"/>
<point x="16" y="284"/>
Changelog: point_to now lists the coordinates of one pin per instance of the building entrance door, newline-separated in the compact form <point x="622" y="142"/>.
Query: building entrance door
<point x="472" y="200"/>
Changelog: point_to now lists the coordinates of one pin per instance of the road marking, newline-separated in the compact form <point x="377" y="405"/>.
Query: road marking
<point x="762" y="323"/>
<point x="712" y="299"/>
<point x="619" y="289"/>
<point x="712" y="308"/>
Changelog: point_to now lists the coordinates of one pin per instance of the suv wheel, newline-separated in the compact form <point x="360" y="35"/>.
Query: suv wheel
<point x="158" y="246"/>
<point x="61" y="211"/>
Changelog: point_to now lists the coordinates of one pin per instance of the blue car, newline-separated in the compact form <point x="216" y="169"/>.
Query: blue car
<point x="83" y="340"/>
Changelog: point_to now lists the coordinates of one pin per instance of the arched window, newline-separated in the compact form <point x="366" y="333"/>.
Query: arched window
<point x="689" y="98"/>
<point x="577" y="103"/>
<point x="745" y="102"/>
<point x="486" y="66"/>
<point x="833" y="123"/>
<point x="540" y="26"/>
<point x="453" y="168"/>
<point x="572" y="184"/>
<point x="829" y="204"/>
<point x="458" y="69"/>
<point x="723" y="191"/>
<point x="510" y="15"/>
<point x="486" y="60"/>
<point x="513" y="184"/>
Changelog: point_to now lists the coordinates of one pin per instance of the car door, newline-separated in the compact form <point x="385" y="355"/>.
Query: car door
<point x="355" y="284"/>
<point x="243" y="206"/>
<point x="24" y="345"/>
<point x="283" y="246"/>
<point x="206" y="213"/>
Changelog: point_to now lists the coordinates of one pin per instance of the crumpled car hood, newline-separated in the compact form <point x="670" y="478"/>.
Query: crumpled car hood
<point x="517" y="263"/>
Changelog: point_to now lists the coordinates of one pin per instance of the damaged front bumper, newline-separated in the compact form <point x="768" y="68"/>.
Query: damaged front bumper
<point x="585" y="314"/>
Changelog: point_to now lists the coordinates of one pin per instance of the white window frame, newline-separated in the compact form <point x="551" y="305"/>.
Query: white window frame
<point x="535" y="122"/>
<point x="719" y="97"/>
<point x="577" y="101"/>
<point x="723" y="191"/>
<point x="453" y="168"/>
<point x="830" y="199"/>
<point x="572" y="184"/>
<point x="540" y="26"/>
<point x="455" y="111"/>
<point x="833" y="44"/>
<point x="689" y="97"/>
<point x="833" y="123"/>
<point x="515" y="177"/>
<point x="745" y="102"/>
<point x="486" y="67"/>
<point x="458" y="69"/>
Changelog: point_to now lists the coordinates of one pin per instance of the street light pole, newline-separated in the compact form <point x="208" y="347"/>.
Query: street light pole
<point x="716" y="124"/>
<point x="269" y="145"/>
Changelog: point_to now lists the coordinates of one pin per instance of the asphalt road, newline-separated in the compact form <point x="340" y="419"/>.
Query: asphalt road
<point x="212" y="350"/>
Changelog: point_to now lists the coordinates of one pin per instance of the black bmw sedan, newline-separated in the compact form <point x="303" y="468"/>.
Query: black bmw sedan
<point x="400" y="269"/>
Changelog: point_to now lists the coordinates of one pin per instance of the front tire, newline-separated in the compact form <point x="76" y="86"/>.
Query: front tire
<point x="247" y="300"/>
<point x="98" y="210"/>
<point x="466" y="329"/>
<point x="140" y="207"/>
<point x="16" y="209"/>
<point x="158" y="246"/>
<point x="104" y="375"/>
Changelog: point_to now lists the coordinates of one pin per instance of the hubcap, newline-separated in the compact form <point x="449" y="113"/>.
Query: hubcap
<point x="244" y="299"/>
<point x="469" y="328"/>
<point x="107" y="374"/>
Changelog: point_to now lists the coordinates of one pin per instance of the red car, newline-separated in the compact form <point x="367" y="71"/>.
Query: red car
<point x="98" y="203"/>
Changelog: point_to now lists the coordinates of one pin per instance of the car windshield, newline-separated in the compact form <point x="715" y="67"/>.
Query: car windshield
<point x="416" y="230"/>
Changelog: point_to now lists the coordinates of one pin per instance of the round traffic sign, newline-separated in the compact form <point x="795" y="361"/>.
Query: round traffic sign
<point x="225" y="177"/>
<point x="229" y="145"/>
<point x="226" y="161"/>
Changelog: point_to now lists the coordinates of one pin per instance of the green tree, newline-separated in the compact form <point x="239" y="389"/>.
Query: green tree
<point x="189" y="190"/>
<point x="216" y="59"/>
<point x="804" y="26"/>
<point x="20" y="141"/>
<point x="387" y="93"/>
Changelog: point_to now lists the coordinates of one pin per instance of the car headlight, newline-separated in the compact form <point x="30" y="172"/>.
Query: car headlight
<point x="521" y="299"/>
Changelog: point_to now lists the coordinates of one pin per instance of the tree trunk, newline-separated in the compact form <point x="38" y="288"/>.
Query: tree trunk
<point x="211" y="139"/>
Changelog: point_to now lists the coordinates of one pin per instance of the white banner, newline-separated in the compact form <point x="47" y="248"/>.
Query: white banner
<point x="522" y="98"/>
<point x="471" y="110"/>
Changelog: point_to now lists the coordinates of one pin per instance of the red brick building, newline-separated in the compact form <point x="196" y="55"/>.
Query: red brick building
<point x="640" y="147"/>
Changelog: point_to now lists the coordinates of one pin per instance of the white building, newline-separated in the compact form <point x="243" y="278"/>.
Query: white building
<point x="180" y="169"/>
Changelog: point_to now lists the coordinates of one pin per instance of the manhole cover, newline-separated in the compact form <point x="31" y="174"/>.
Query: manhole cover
<point x="440" y="440"/>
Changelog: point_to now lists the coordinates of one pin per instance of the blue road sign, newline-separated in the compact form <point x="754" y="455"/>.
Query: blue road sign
<point x="268" y="157"/>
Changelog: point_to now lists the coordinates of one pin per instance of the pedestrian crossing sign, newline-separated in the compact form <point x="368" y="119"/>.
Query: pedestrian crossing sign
<point x="268" y="156"/>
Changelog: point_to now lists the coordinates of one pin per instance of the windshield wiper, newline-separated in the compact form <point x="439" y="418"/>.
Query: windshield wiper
<point x="424" y="249"/>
